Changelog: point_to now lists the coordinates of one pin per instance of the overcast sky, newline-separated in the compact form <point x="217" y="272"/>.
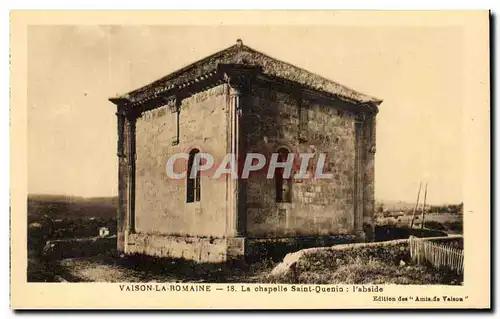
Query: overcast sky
<point x="417" y="71"/>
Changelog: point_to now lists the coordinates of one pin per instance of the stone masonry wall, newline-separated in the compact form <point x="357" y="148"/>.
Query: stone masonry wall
<point x="318" y="207"/>
<point x="122" y="223"/>
<point x="192" y="248"/>
<point x="160" y="206"/>
<point x="369" y="172"/>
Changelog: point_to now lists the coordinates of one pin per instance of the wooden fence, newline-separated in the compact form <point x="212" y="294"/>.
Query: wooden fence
<point x="438" y="255"/>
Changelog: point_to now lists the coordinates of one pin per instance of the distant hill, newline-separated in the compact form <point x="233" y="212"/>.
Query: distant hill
<point x="395" y="205"/>
<point x="71" y="207"/>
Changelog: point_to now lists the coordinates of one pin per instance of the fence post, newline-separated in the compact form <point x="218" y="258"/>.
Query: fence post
<point x="410" y="245"/>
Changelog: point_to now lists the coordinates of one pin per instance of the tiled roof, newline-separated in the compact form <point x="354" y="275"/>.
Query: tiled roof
<point x="242" y="54"/>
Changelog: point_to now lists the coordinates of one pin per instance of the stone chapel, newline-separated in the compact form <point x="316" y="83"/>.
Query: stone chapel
<point x="240" y="100"/>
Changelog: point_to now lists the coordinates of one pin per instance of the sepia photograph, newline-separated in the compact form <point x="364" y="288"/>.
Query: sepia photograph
<point x="305" y="159"/>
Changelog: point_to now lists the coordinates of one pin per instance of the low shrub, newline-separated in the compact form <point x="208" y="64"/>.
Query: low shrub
<point x="381" y="263"/>
<point x="455" y="226"/>
<point x="430" y="224"/>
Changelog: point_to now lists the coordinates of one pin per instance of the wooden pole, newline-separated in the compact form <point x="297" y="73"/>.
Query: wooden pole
<point x="423" y="208"/>
<point x="416" y="205"/>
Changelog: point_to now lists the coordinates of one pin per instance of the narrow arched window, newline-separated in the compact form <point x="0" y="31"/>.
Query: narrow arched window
<point x="283" y="185"/>
<point x="193" y="188"/>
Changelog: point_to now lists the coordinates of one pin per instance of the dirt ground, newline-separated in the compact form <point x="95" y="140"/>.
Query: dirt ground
<point x="137" y="269"/>
<point x="88" y="270"/>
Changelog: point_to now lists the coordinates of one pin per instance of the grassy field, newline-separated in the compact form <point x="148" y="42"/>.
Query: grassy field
<point x="70" y="207"/>
<point x="448" y="218"/>
<point x="370" y="271"/>
<point x="451" y="223"/>
<point x="54" y="217"/>
<point x="375" y="263"/>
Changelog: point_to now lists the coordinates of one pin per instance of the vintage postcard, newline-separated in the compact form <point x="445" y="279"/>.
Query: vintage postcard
<point x="250" y="160"/>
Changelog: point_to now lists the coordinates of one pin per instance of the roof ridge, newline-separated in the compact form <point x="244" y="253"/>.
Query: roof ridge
<point x="238" y="53"/>
<point x="305" y="70"/>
